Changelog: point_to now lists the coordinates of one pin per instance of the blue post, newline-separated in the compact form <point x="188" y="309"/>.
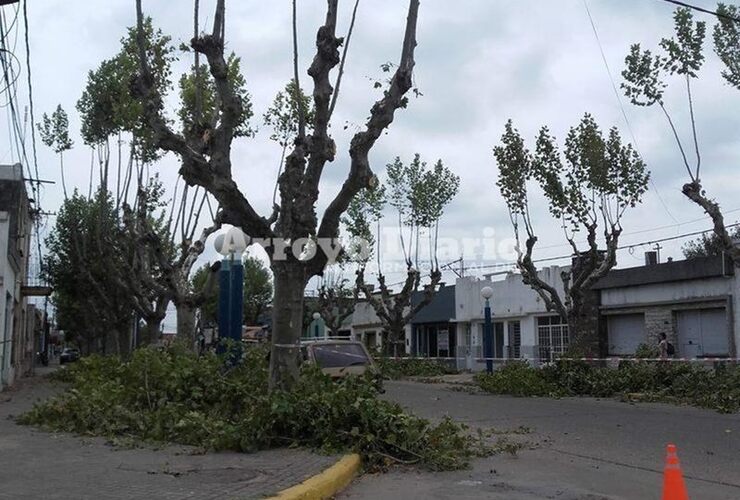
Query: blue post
<point x="488" y="337"/>
<point x="224" y="295"/>
<point x="236" y="292"/>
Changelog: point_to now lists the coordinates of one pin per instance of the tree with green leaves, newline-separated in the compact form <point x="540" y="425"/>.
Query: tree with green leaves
<point x="83" y="247"/>
<point x="682" y="56"/>
<point x="419" y="195"/>
<point x="708" y="245"/>
<point x="207" y="162"/>
<point x="591" y="183"/>
<point x="54" y="133"/>
<point x="168" y="244"/>
<point x="257" y="291"/>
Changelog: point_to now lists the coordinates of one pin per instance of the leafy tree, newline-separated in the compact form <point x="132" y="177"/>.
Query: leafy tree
<point x="207" y="162"/>
<point x="257" y="291"/>
<point x="54" y="133"/>
<point x="107" y="107"/>
<point x="91" y="307"/>
<point x="707" y="245"/>
<point x="599" y="179"/>
<point x="682" y="55"/>
<point x="419" y="195"/>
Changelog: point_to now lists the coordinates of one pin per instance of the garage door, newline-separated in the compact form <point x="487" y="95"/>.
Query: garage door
<point x="702" y="332"/>
<point x="625" y="333"/>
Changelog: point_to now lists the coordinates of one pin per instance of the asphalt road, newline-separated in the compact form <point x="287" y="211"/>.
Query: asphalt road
<point x="586" y="449"/>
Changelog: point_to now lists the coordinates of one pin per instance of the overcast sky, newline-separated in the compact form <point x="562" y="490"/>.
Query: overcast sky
<point x="478" y="63"/>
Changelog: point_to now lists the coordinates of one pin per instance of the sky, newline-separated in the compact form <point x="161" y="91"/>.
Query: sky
<point x="478" y="63"/>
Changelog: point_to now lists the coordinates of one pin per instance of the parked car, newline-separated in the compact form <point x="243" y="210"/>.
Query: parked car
<point x="69" y="355"/>
<point x="341" y="358"/>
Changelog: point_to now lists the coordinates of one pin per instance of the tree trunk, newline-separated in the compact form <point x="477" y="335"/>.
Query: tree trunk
<point x="287" y="322"/>
<point x="186" y="324"/>
<point x="150" y="332"/>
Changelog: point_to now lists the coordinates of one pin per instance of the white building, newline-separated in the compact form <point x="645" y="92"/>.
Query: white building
<point x="367" y="327"/>
<point x="15" y="228"/>
<point x="522" y="326"/>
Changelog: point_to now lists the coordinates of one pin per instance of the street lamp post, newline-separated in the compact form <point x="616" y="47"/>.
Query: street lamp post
<point x="231" y="245"/>
<point x="487" y="292"/>
<point x="316" y="317"/>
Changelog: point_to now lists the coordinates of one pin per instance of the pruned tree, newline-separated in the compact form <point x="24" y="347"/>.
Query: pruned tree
<point x="683" y="56"/>
<point x="207" y="162"/>
<point x="54" y="133"/>
<point x="593" y="182"/>
<point x="335" y="300"/>
<point x="419" y="195"/>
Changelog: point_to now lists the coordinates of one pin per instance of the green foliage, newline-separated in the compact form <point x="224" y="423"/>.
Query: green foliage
<point x="727" y="42"/>
<point x="717" y="389"/>
<point x="707" y="245"/>
<point x="198" y="99"/>
<point x="598" y="174"/>
<point x="107" y="107"/>
<point x="54" y="131"/>
<point x="517" y="379"/>
<point x="648" y="351"/>
<point x="418" y="193"/>
<point x="394" y="369"/>
<point x="176" y="396"/>
<point x="257" y="291"/>
<point x="282" y="115"/>
<point x="81" y="246"/>
<point x="684" y="52"/>
<point x="364" y="211"/>
<point x="643" y="85"/>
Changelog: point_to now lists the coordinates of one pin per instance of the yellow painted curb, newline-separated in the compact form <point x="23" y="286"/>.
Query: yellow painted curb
<point x="325" y="484"/>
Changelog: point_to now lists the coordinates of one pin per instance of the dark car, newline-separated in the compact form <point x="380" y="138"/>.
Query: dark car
<point x="341" y="358"/>
<point x="69" y="355"/>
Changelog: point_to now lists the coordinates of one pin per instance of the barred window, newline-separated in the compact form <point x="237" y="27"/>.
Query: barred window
<point x="552" y="334"/>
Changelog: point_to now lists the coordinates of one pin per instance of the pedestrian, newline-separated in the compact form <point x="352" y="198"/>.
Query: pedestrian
<point x="665" y="348"/>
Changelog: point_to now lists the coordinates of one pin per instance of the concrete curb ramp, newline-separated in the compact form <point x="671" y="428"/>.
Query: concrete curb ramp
<point x="325" y="484"/>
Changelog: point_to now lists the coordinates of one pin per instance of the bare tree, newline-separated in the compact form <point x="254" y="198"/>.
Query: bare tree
<point x="207" y="162"/>
<point x="599" y="180"/>
<point x="683" y="56"/>
<point x="335" y="301"/>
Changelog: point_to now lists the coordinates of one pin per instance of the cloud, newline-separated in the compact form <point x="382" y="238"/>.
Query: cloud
<point x="478" y="64"/>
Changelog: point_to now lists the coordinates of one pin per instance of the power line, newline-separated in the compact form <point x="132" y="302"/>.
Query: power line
<point x="621" y="105"/>
<point x="702" y="9"/>
<point x="30" y="102"/>
<point x="622" y="247"/>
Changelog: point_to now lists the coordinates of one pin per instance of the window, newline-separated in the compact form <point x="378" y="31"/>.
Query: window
<point x="515" y="339"/>
<point x="552" y="334"/>
<point x="338" y="355"/>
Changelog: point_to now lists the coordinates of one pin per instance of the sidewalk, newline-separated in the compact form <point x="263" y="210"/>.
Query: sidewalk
<point x="35" y="464"/>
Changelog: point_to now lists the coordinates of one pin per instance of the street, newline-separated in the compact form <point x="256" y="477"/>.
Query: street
<point x="36" y="464"/>
<point x="586" y="449"/>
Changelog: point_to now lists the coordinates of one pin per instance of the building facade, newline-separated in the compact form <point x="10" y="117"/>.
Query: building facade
<point x="523" y="328"/>
<point x="695" y="303"/>
<point x="15" y="231"/>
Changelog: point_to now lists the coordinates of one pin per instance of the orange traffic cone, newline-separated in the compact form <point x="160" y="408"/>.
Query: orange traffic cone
<point x="674" y="487"/>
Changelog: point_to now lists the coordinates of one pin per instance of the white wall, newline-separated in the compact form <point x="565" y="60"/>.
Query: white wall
<point x="512" y="300"/>
<point x="7" y="285"/>
<point x="364" y="319"/>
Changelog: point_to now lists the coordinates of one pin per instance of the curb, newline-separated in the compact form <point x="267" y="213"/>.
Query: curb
<point x="325" y="484"/>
